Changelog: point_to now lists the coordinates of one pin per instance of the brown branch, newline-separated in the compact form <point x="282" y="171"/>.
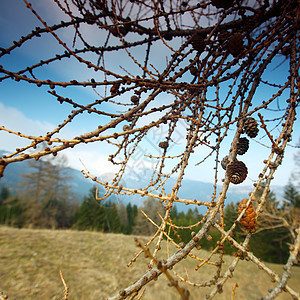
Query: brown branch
<point x="182" y="292"/>
<point x="287" y="270"/>
<point x="3" y="296"/>
<point x="66" y="290"/>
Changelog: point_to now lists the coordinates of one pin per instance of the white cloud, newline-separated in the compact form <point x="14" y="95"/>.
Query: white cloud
<point x="93" y="156"/>
<point x="15" y="120"/>
<point x="94" y="161"/>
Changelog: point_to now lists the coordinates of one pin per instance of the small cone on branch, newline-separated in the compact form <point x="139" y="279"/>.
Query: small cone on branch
<point x="250" y="127"/>
<point x="134" y="99"/>
<point x="236" y="172"/>
<point x="194" y="71"/>
<point x="223" y="36"/>
<point x="225" y="162"/>
<point x="222" y="3"/>
<point x="126" y="127"/>
<point x="248" y="221"/>
<point x="163" y="145"/>
<point x="286" y="51"/>
<point x="236" y="44"/>
<point x="115" y="88"/>
<point x="242" y="146"/>
<point x="198" y="42"/>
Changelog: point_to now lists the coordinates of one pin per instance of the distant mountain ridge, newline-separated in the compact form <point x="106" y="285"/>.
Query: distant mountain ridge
<point x="193" y="189"/>
<point x="80" y="186"/>
<point x="13" y="176"/>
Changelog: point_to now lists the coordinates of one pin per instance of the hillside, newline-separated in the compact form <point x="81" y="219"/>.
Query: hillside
<point x="94" y="267"/>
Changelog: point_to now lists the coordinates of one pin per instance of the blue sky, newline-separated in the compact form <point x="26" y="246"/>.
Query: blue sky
<point x="32" y="110"/>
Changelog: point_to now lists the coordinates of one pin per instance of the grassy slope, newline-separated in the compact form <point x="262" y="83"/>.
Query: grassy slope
<point x="94" y="267"/>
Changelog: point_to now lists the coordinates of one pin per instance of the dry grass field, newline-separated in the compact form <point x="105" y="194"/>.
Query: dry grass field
<point x="94" y="267"/>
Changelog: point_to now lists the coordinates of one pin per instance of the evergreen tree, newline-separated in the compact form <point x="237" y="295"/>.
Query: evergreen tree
<point x="181" y="219"/>
<point x="90" y="215"/>
<point x="94" y="215"/>
<point x="291" y="196"/>
<point x="15" y="212"/>
<point x="174" y="212"/>
<point x="4" y="194"/>
<point x="112" y="218"/>
<point x="291" y="208"/>
<point x="11" y="211"/>
<point x="270" y="241"/>
<point x="271" y="245"/>
<point x="230" y="215"/>
<point x="184" y="220"/>
<point x="197" y="216"/>
<point x="134" y="213"/>
<point x="131" y="214"/>
<point x="190" y="216"/>
<point x="123" y="216"/>
<point x="271" y="203"/>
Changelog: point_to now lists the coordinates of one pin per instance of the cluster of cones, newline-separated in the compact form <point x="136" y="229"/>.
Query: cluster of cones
<point x="237" y="170"/>
<point x="237" y="173"/>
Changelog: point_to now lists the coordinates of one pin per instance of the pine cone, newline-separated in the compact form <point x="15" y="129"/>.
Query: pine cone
<point x="250" y="127"/>
<point x="236" y="44"/>
<point x="237" y="172"/>
<point x="135" y="99"/>
<point x="198" y="42"/>
<point x="163" y="145"/>
<point x="126" y="127"/>
<point x="248" y="220"/>
<point x="194" y="71"/>
<point x="225" y="162"/>
<point x="242" y="146"/>
<point x="222" y="3"/>
<point x="115" y="88"/>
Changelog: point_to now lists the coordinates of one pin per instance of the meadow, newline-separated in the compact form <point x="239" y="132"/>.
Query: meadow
<point x="94" y="266"/>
